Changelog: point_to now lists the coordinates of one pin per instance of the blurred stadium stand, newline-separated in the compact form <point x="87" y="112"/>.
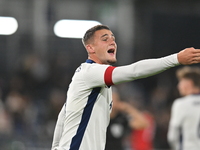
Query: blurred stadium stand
<point x="36" y="66"/>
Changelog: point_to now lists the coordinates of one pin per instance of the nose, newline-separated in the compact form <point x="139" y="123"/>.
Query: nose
<point x="113" y="42"/>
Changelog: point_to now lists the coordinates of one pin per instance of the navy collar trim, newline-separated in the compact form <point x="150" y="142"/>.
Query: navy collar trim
<point x="89" y="61"/>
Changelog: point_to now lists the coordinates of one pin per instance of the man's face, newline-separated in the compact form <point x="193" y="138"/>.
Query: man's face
<point x="104" y="47"/>
<point x="185" y="86"/>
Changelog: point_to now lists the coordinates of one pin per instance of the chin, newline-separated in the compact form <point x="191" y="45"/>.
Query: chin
<point x="111" y="62"/>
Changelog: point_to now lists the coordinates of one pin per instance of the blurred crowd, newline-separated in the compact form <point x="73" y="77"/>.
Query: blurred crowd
<point x="32" y="96"/>
<point x="30" y="100"/>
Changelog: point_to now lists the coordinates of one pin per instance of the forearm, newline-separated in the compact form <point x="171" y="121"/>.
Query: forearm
<point x="137" y="119"/>
<point x="143" y="68"/>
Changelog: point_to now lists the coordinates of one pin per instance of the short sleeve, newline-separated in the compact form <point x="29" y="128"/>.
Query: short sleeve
<point x="97" y="75"/>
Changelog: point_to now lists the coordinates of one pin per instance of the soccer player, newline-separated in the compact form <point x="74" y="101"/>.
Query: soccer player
<point x="184" y="128"/>
<point x="84" y="118"/>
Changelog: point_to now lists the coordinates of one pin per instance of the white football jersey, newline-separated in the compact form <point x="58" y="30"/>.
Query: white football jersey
<point x="83" y="120"/>
<point x="87" y="109"/>
<point x="184" y="127"/>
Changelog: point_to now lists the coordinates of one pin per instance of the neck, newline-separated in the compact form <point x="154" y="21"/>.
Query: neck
<point x="196" y="91"/>
<point x="193" y="91"/>
<point x="94" y="59"/>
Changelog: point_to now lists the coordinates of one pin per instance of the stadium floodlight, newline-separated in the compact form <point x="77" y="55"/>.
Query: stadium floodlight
<point x="8" y="25"/>
<point x="73" y="28"/>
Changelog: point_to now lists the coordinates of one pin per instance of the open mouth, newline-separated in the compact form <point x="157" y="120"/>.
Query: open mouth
<point x="111" y="51"/>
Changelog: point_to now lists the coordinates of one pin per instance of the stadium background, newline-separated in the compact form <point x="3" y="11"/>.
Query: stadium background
<point x="36" y="66"/>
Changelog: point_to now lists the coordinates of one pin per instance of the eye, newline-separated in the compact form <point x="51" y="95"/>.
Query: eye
<point x="105" y="39"/>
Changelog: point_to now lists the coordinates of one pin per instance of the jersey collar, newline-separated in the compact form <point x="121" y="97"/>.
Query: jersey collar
<point x="89" y="61"/>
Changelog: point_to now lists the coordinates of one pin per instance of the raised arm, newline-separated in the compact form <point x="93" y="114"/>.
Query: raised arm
<point x="149" y="67"/>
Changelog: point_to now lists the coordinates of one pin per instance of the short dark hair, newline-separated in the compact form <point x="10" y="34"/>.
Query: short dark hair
<point x="90" y="32"/>
<point x="192" y="73"/>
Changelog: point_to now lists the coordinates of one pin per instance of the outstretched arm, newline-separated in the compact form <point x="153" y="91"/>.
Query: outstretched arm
<point x="149" y="67"/>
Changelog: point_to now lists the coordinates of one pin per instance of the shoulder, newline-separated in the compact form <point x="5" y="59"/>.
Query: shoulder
<point x="88" y="67"/>
<point x="94" y="67"/>
<point x="186" y="99"/>
<point x="179" y="103"/>
<point x="183" y="102"/>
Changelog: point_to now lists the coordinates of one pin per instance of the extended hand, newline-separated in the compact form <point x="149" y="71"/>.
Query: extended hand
<point x="189" y="56"/>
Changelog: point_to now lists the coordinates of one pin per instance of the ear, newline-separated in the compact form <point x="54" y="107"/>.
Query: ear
<point x="90" y="49"/>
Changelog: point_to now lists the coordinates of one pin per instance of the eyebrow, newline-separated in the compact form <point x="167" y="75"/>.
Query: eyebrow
<point x="107" y="35"/>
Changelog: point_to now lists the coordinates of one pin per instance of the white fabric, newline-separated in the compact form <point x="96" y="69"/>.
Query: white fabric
<point x="89" y="78"/>
<point x="59" y="128"/>
<point x="86" y="78"/>
<point x="185" y="121"/>
<point x="144" y="68"/>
